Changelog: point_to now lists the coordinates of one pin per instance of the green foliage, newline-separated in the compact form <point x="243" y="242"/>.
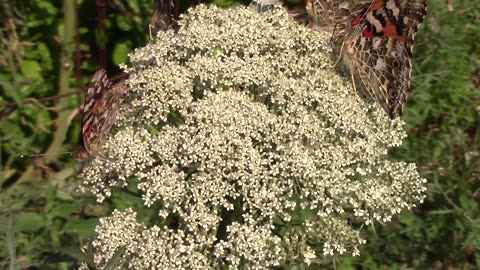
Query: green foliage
<point x="44" y="222"/>
<point x="41" y="221"/>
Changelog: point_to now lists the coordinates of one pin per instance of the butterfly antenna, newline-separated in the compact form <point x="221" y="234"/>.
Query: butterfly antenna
<point x="41" y="155"/>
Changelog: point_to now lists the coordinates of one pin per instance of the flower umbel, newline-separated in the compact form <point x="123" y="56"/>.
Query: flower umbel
<point x="254" y="151"/>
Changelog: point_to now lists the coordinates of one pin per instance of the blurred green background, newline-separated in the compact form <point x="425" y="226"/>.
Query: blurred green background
<point x="49" y="50"/>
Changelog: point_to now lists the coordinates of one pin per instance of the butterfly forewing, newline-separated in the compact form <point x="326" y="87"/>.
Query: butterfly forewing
<point x="95" y="90"/>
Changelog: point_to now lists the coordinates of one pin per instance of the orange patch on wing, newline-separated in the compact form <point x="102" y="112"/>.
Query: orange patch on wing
<point x="357" y="20"/>
<point x="391" y="31"/>
<point x="376" y="4"/>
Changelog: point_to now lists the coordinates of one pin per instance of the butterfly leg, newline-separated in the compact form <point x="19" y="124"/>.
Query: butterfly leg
<point x="150" y="29"/>
<point x="354" y="87"/>
<point x="339" y="55"/>
<point x="353" y="82"/>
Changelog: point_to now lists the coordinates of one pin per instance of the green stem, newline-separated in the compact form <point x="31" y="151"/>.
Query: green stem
<point x="65" y="74"/>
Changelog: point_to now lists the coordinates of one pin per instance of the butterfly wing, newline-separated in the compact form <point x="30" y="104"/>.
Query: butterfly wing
<point x="414" y="12"/>
<point x="108" y="113"/>
<point x="335" y="16"/>
<point x="101" y="106"/>
<point x="383" y="66"/>
<point x="380" y="49"/>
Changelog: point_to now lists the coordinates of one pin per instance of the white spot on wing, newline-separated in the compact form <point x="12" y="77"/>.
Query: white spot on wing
<point x="88" y="105"/>
<point x="376" y="23"/>
<point x="376" y="42"/>
<point x="391" y="5"/>
<point x="380" y="65"/>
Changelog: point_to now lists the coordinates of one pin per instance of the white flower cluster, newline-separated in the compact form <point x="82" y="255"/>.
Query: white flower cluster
<point x="253" y="152"/>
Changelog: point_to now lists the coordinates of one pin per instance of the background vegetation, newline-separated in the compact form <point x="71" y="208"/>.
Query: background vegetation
<point x="47" y="55"/>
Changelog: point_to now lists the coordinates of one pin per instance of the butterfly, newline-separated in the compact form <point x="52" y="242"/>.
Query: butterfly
<point x="377" y="36"/>
<point x="99" y="113"/>
<point x="163" y="17"/>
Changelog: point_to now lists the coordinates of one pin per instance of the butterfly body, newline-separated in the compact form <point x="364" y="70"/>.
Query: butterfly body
<point x="99" y="112"/>
<point x="378" y="39"/>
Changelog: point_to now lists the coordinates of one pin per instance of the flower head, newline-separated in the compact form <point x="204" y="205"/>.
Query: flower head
<point x="238" y="129"/>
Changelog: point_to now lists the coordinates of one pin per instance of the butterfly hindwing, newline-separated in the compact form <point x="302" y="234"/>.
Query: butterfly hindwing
<point x="113" y="99"/>
<point x="386" y="40"/>
<point x="102" y="103"/>
<point x="378" y="38"/>
<point x="384" y="69"/>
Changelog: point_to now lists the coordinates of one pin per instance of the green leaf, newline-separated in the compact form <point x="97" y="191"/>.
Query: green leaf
<point x="224" y="3"/>
<point x="31" y="70"/>
<point x="120" y="53"/>
<point x="115" y="260"/>
<point x="466" y="202"/>
<point x="7" y="173"/>
<point x="406" y="218"/>
<point x="8" y="89"/>
<point x="65" y="209"/>
<point x="78" y="254"/>
<point x="83" y="228"/>
<point x="48" y="7"/>
<point x="123" y="200"/>
<point x="347" y="263"/>
<point x="60" y="177"/>
<point x="124" y="23"/>
<point x="134" y="5"/>
<point x="441" y="212"/>
<point x="29" y="222"/>
<point x="44" y="55"/>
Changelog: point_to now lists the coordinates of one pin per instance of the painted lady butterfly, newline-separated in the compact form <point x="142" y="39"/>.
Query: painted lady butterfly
<point x="99" y="113"/>
<point x="378" y="39"/>
<point x="163" y="17"/>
